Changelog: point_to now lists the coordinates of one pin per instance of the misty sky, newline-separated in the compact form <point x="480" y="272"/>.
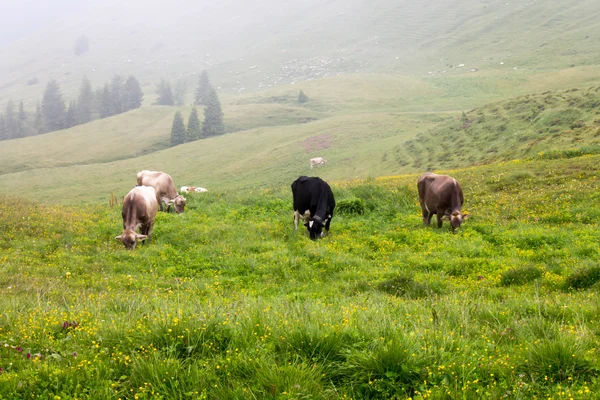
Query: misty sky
<point x="21" y="17"/>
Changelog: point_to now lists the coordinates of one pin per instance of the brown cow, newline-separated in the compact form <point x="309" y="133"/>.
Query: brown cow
<point x="441" y="195"/>
<point x="139" y="210"/>
<point x="165" y="189"/>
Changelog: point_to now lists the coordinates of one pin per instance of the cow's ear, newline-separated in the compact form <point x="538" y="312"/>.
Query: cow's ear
<point x="141" y="237"/>
<point x="118" y="237"/>
<point x="466" y="216"/>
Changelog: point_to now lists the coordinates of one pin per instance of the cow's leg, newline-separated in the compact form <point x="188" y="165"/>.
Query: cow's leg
<point x="150" y="228"/>
<point x="440" y="215"/>
<point x="426" y="216"/>
<point x="328" y="222"/>
<point x="296" y="219"/>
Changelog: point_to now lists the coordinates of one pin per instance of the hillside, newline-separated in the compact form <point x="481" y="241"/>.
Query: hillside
<point x="545" y="124"/>
<point x="252" y="47"/>
<point x="228" y="301"/>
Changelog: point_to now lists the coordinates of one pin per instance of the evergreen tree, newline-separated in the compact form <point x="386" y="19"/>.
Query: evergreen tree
<point x="10" y="122"/>
<point x="53" y="107"/>
<point x="39" y="120"/>
<point x="302" y="98"/>
<point x="104" y="102"/>
<point x="3" y="135"/>
<point x="71" y="115"/>
<point x="203" y="89"/>
<point x="116" y="95"/>
<point x="180" y="91"/>
<point x="194" y="132"/>
<point x="178" y="130"/>
<point x="213" y="116"/>
<point x="165" y="94"/>
<point x="85" y="102"/>
<point x="22" y="129"/>
<point x="132" y="94"/>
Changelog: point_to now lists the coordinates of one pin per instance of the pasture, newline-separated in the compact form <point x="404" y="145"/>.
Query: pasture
<point x="229" y="301"/>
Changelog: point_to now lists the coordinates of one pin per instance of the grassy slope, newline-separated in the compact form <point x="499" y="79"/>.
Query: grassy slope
<point x="130" y="135"/>
<point x="522" y="127"/>
<point x="363" y="123"/>
<point x="356" y="146"/>
<point x="228" y="301"/>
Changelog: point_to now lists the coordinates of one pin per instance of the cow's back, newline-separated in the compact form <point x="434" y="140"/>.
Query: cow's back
<point x="312" y="194"/>
<point x="160" y="181"/>
<point x="439" y="191"/>
<point x="139" y="205"/>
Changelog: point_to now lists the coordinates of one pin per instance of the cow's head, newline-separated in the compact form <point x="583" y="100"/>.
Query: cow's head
<point x="314" y="226"/>
<point x="456" y="219"/>
<point x="179" y="204"/>
<point x="130" y="238"/>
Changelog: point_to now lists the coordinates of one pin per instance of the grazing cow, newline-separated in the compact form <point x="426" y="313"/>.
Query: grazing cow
<point x="139" y="210"/>
<point x="441" y="195"/>
<point x="166" y="194"/>
<point x="192" y="189"/>
<point x="317" y="161"/>
<point x="314" y="203"/>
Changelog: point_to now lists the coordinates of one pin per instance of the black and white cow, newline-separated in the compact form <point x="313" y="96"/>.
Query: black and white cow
<point x="314" y="203"/>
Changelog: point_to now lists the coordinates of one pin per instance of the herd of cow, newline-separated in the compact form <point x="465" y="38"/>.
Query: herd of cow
<point x="313" y="202"/>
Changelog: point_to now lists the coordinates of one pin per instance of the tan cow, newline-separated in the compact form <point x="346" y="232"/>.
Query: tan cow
<point x="192" y="189"/>
<point x="317" y="161"/>
<point x="441" y="195"/>
<point x="139" y="210"/>
<point x="166" y="194"/>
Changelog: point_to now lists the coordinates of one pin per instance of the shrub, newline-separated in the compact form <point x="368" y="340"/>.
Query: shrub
<point x="520" y="276"/>
<point x="351" y="206"/>
<point x="403" y="286"/>
<point x="560" y="360"/>
<point x="583" y="278"/>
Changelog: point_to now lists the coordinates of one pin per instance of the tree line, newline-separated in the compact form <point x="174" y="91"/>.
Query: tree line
<point x="206" y="96"/>
<point x="53" y="114"/>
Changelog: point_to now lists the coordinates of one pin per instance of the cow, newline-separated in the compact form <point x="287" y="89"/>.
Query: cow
<point x="166" y="194"/>
<point x="441" y="195"/>
<point x="192" y="189"/>
<point x="139" y="210"/>
<point x="314" y="203"/>
<point x="317" y="161"/>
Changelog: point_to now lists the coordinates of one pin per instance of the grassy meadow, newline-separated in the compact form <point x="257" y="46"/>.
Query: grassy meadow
<point x="228" y="301"/>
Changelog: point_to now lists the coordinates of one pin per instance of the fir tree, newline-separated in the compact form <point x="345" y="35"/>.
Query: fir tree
<point x="71" y="115"/>
<point x="104" y="102"/>
<point x="132" y="94"/>
<point x="194" y="132"/>
<point x="39" y="120"/>
<point x="3" y="135"/>
<point x="213" y="116"/>
<point x="178" y="130"/>
<point x="203" y="89"/>
<point x="10" y="122"/>
<point x="180" y="91"/>
<point x="85" y="102"/>
<point x="302" y="98"/>
<point x="22" y="130"/>
<point x="116" y="95"/>
<point x="165" y="94"/>
<point x="53" y="107"/>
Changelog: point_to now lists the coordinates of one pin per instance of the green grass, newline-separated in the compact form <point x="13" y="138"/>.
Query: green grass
<point x="355" y="146"/>
<point x="552" y="124"/>
<point x="228" y="301"/>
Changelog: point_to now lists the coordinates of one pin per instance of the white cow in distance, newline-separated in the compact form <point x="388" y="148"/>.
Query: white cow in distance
<point x="317" y="161"/>
<point x="192" y="189"/>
